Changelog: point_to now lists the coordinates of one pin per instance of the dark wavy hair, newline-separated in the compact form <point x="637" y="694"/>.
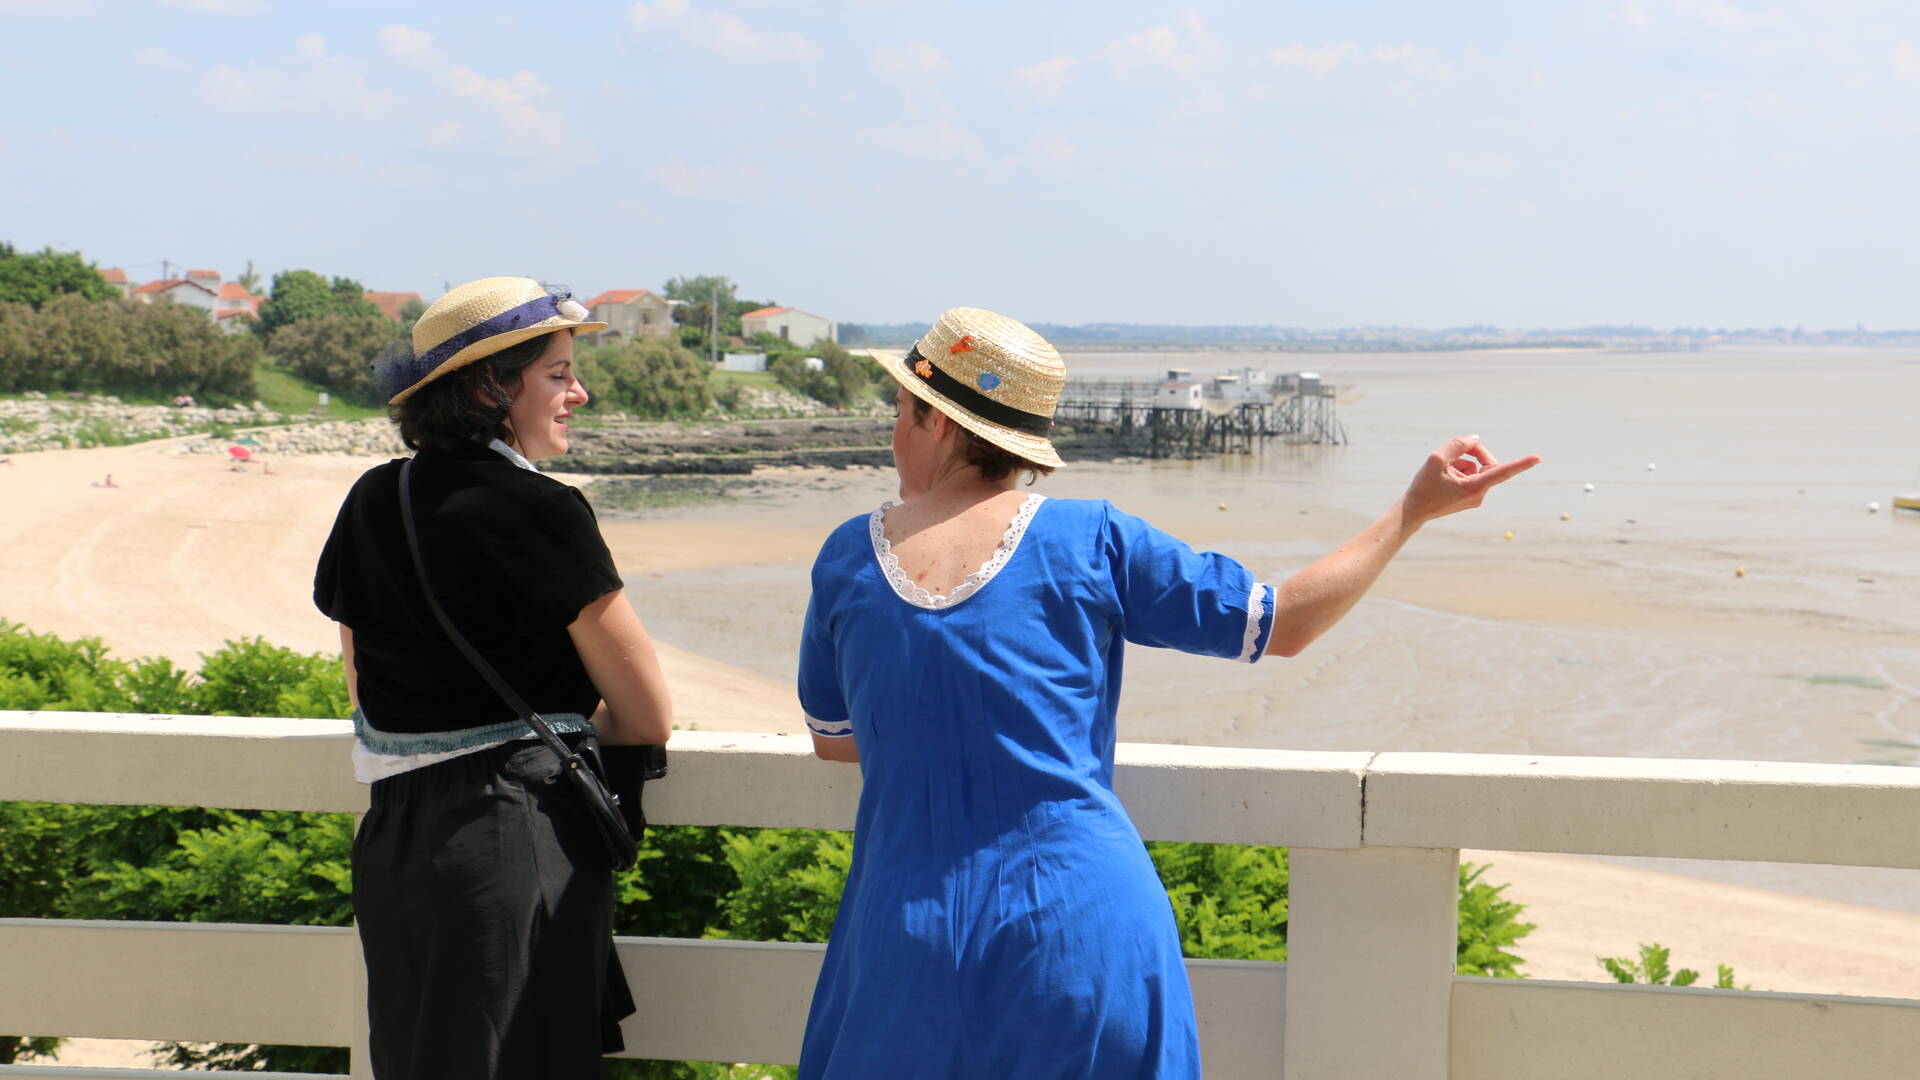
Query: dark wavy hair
<point x="993" y="462"/>
<point x="469" y="403"/>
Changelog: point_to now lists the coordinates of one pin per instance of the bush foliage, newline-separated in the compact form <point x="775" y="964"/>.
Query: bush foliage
<point x="648" y="377"/>
<point x="336" y="350"/>
<point x="71" y="343"/>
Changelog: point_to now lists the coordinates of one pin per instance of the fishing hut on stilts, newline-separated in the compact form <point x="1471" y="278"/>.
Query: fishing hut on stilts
<point x="1180" y="416"/>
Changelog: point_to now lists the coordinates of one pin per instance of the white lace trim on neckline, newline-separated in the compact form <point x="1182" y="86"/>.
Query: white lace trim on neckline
<point x="904" y="587"/>
<point x="1256" y="610"/>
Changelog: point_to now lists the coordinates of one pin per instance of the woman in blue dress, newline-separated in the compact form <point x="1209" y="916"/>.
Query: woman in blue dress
<point x="1001" y="918"/>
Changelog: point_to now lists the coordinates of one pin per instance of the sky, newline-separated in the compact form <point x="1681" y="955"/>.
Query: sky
<point x="1318" y="164"/>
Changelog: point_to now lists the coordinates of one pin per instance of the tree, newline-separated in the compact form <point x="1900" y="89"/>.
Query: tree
<point x="337" y="351"/>
<point x="647" y="377"/>
<point x="299" y="295"/>
<point x="249" y="279"/>
<point x="410" y="313"/>
<point x="36" y="278"/>
<point x="120" y="346"/>
<point x="700" y="295"/>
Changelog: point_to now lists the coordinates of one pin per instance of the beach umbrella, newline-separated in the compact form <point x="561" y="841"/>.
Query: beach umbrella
<point x="240" y="453"/>
<point x="247" y="440"/>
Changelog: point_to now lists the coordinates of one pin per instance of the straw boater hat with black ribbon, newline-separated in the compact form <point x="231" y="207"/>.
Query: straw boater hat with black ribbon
<point x="475" y="321"/>
<point x="991" y="375"/>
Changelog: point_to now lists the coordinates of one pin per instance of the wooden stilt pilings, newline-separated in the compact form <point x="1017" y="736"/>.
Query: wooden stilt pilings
<point x="1129" y="414"/>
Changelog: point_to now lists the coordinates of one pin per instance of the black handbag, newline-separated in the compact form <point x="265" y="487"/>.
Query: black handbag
<point x="616" y="822"/>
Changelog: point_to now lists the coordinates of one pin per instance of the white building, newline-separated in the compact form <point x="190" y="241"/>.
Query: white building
<point x="788" y="324"/>
<point x="631" y="314"/>
<point x="1178" y="394"/>
<point x="180" y="291"/>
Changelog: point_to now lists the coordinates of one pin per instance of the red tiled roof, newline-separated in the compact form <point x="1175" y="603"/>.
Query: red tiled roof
<point x="765" y="311"/>
<point x="115" y="276"/>
<point x="390" y="303"/>
<point x="171" y="283"/>
<point x="619" y="296"/>
<point x="233" y="290"/>
<point x="203" y="273"/>
<point x="231" y="312"/>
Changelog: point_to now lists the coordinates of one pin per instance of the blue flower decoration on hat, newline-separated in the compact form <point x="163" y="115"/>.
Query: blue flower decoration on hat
<point x="989" y="381"/>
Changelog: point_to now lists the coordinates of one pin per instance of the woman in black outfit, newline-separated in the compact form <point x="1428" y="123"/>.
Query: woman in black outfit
<point x="483" y="895"/>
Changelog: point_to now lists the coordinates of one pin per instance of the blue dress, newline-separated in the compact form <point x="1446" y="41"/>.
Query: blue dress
<point x="1001" y="918"/>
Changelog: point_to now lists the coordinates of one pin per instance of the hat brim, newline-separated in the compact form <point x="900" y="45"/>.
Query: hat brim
<point x="1034" y="448"/>
<point x="480" y="350"/>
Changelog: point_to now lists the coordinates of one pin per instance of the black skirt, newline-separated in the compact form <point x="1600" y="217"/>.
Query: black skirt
<point x="485" y="908"/>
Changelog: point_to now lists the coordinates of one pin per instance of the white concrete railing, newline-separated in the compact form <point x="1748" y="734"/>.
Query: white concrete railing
<point x="1368" y="991"/>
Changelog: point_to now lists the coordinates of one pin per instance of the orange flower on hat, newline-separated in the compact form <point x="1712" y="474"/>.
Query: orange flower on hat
<point x="965" y="344"/>
<point x="924" y="368"/>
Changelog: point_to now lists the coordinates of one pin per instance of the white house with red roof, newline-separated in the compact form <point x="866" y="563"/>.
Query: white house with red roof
<point x="632" y="313"/>
<point x="788" y="323"/>
<point x="233" y="303"/>
<point x="180" y="291"/>
<point x="117" y="278"/>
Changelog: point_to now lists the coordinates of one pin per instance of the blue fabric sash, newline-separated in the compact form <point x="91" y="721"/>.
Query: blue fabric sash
<point x="440" y="742"/>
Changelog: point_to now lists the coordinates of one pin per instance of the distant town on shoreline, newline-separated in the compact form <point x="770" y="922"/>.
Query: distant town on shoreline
<point x="1156" y="337"/>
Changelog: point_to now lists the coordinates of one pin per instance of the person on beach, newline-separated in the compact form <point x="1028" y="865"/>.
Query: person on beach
<point x="1001" y="916"/>
<point x="483" y="895"/>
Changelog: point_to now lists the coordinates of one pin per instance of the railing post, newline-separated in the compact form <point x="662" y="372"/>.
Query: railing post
<point x="1371" y="935"/>
<point x="359" y="1054"/>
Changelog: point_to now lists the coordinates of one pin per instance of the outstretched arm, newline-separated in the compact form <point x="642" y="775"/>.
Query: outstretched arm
<point x="1453" y="478"/>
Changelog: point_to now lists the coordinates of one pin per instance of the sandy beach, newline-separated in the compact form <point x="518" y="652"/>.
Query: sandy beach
<point x="183" y="554"/>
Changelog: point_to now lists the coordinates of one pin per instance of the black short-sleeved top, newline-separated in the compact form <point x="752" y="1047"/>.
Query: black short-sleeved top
<point x="513" y="556"/>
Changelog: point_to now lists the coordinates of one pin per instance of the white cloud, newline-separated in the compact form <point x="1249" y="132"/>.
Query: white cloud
<point x="1415" y="60"/>
<point x="642" y="13"/>
<point x="304" y="85"/>
<point x="1319" y="61"/>
<point x="513" y="101"/>
<point x="311" y="45"/>
<point x="47" y="8"/>
<point x="220" y="7"/>
<point x="1718" y="13"/>
<point x="155" y="58"/>
<point x="408" y="43"/>
<point x="1048" y="77"/>
<point x="925" y="142"/>
<point x="914" y="60"/>
<point x="1181" y="51"/>
<point x="1725" y="15"/>
<point x="1633" y="15"/>
<point x="444" y="134"/>
<point x="718" y="33"/>
<point x="1059" y="151"/>
<point x="1906" y="62"/>
<point x="1773" y="106"/>
<point x="682" y="179"/>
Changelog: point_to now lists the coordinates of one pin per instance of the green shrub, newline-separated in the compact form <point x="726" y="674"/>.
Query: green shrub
<point x="1652" y="970"/>
<point x="648" y="377"/>
<point x="337" y="351"/>
<point x="120" y="346"/>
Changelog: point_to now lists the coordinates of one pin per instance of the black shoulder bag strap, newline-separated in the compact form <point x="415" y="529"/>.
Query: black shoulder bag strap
<point x="582" y="768"/>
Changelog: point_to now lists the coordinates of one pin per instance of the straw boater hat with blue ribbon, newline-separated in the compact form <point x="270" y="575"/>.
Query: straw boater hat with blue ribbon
<point x="991" y="375"/>
<point x="474" y="321"/>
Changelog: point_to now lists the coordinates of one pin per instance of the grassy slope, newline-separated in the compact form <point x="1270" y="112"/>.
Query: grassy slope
<point x="284" y="392"/>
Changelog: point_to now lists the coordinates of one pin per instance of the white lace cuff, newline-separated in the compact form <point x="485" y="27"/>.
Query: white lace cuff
<point x="832" y="729"/>
<point x="1259" y="617"/>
